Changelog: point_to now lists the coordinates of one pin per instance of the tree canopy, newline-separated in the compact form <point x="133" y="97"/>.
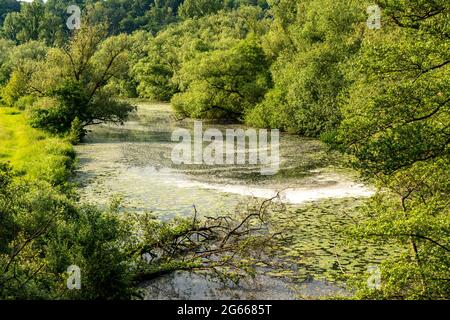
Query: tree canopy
<point x="311" y="67"/>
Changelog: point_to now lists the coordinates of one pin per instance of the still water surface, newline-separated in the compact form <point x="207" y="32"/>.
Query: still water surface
<point x="133" y="161"/>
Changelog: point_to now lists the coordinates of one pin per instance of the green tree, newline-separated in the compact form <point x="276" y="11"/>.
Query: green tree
<point x="396" y="125"/>
<point x="7" y="6"/>
<point x="200" y="8"/>
<point x="224" y="84"/>
<point x="5" y="60"/>
<point x="76" y="78"/>
<point x="32" y="22"/>
<point x="19" y="64"/>
<point x="157" y="69"/>
<point x="310" y="42"/>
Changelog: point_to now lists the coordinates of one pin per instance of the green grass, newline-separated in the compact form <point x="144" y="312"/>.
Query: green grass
<point x="31" y="152"/>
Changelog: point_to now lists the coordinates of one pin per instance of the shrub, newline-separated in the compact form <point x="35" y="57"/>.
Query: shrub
<point x="14" y="89"/>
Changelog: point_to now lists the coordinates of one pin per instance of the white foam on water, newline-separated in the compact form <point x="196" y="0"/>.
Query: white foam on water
<point x="340" y="189"/>
<point x="292" y="195"/>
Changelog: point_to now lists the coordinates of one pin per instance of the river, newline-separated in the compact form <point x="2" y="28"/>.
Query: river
<point x="133" y="161"/>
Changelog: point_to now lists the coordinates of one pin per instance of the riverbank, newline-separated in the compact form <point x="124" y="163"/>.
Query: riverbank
<point x="313" y="251"/>
<point x="31" y="152"/>
<point x="45" y="232"/>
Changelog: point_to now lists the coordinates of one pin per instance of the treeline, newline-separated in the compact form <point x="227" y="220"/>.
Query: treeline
<point x="308" y="67"/>
<point x="46" y="21"/>
<point x="280" y="64"/>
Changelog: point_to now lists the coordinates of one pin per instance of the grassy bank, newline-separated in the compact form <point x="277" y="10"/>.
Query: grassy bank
<point x="43" y="230"/>
<point x="31" y="152"/>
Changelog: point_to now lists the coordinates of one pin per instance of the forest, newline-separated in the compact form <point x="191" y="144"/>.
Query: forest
<point x="317" y="69"/>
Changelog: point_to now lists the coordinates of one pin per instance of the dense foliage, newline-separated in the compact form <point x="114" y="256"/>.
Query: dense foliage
<point x="43" y="232"/>
<point x="310" y="67"/>
<point x="238" y="80"/>
<point x="396" y="124"/>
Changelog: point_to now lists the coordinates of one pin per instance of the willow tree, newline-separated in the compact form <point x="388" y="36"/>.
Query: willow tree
<point x="310" y="41"/>
<point x="159" y="69"/>
<point x="72" y="82"/>
<point x="224" y="84"/>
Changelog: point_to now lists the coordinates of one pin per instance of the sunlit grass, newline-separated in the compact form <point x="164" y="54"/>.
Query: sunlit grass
<point x="32" y="152"/>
